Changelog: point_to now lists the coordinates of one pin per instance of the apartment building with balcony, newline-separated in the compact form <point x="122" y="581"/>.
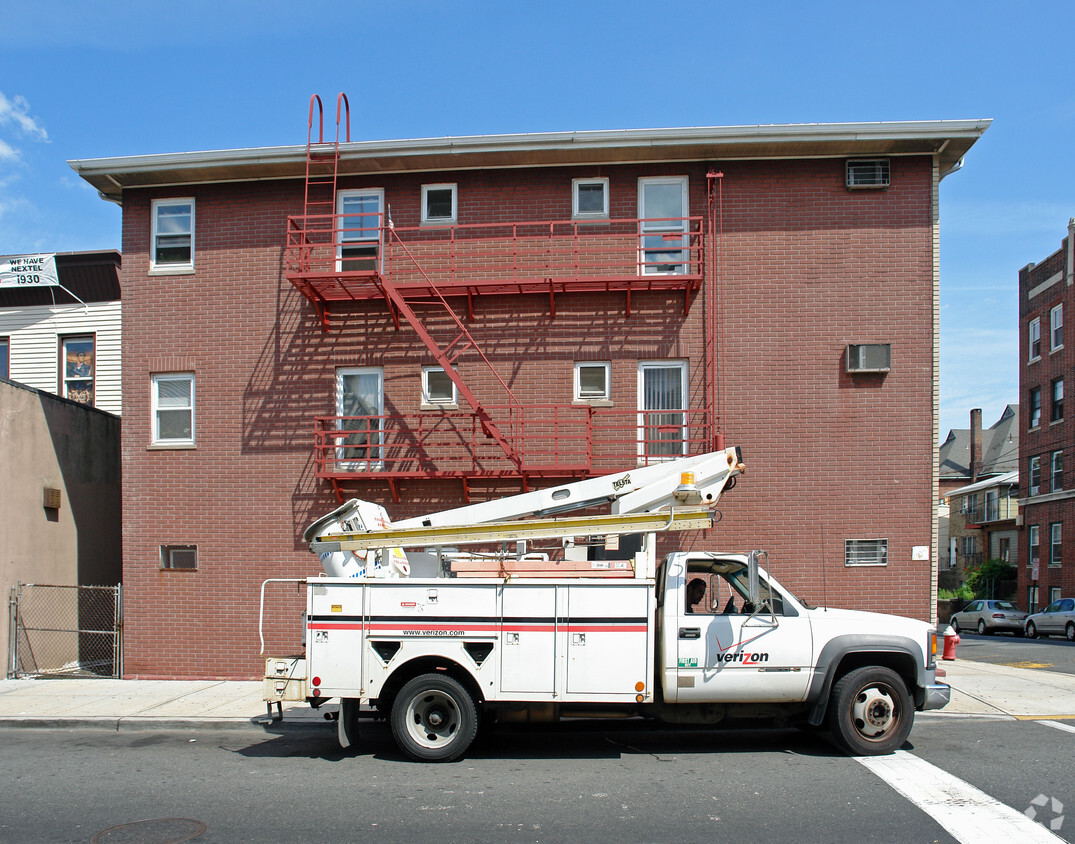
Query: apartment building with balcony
<point x="982" y="525"/>
<point x="430" y="321"/>
<point x="1047" y="497"/>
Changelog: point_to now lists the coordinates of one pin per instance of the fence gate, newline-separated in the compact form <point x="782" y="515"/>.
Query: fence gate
<point x="65" y="631"/>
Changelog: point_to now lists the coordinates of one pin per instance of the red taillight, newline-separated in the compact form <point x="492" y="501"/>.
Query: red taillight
<point x="999" y="615"/>
<point x="316" y="681"/>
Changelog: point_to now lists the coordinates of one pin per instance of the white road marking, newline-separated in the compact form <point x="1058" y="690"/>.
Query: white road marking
<point x="1060" y="725"/>
<point x="966" y="813"/>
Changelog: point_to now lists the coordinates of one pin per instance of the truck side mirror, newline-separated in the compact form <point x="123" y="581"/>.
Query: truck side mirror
<point x="753" y="587"/>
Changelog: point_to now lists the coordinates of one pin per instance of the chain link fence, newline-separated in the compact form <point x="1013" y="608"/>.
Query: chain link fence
<point x="65" y="631"/>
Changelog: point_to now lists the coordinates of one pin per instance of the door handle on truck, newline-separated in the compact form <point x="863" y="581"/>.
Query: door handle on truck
<point x="690" y="632"/>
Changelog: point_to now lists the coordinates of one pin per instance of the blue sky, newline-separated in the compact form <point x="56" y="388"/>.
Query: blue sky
<point x="108" y="78"/>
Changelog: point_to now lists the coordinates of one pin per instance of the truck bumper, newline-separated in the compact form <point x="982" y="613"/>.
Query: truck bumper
<point x="937" y="696"/>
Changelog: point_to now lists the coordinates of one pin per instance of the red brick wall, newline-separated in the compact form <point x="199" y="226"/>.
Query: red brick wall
<point x="1049" y="436"/>
<point x="807" y="268"/>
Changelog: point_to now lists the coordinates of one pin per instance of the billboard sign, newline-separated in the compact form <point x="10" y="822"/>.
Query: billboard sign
<point x="25" y="271"/>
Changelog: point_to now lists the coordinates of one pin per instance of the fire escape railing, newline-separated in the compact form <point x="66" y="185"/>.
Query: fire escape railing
<point x="336" y="259"/>
<point x="553" y="441"/>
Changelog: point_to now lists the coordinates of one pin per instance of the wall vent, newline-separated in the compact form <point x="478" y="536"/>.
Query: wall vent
<point x="869" y="357"/>
<point x="868" y="173"/>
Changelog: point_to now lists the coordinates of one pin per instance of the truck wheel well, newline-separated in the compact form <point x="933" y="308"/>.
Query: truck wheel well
<point x="425" y="665"/>
<point x="903" y="664"/>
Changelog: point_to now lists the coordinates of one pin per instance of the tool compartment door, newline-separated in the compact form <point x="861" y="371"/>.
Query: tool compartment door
<point x="609" y="641"/>
<point x="335" y="633"/>
<point x="529" y="640"/>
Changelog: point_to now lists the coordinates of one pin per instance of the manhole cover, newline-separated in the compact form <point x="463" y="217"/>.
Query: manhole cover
<point x="160" y="831"/>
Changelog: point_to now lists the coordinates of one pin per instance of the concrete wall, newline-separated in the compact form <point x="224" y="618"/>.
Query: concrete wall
<point x="50" y="442"/>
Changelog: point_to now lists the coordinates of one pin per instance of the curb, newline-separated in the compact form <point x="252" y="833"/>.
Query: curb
<point x="138" y="723"/>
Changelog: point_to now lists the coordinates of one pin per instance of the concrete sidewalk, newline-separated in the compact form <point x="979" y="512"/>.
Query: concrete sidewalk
<point x="978" y="689"/>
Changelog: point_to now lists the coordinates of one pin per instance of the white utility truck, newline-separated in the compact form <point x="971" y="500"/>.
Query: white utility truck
<point x="575" y="616"/>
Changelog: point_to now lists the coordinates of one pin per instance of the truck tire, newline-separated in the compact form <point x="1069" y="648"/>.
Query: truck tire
<point x="434" y="718"/>
<point x="871" y="711"/>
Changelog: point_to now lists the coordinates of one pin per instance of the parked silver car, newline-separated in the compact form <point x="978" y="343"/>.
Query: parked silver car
<point x="987" y="616"/>
<point x="1057" y="618"/>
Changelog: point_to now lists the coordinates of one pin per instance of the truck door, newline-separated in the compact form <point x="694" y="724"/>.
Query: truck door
<point x="727" y="652"/>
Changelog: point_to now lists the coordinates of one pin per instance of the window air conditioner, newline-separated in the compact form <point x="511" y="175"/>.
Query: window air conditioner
<point x="869" y="357"/>
<point x="868" y="173"/>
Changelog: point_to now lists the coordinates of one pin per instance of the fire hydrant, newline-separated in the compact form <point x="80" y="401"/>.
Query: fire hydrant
<point x="951" y="639"/>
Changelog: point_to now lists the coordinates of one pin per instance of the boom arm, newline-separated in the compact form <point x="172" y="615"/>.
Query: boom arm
<point x="640" y="490"/>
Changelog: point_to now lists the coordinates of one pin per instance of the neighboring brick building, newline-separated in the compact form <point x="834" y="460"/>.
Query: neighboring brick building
<point x="1047" y="500"/>
<point x="640" y="293"/>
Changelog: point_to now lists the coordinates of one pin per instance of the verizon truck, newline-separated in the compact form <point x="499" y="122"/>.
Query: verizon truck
<point x="511" y="611"/>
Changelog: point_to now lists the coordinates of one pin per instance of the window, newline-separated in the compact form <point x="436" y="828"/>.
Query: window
<point x="992" y="505"/>
<point x="1056" y="327"/>
<point x="1032" y="599"/>
<point x="360" y="408"/>
<point x="437" y="387"/>
<point x="1054" y="595"/>
<point x="76" y="369"/>
<point x="438" y="204"/>
<point x="866" y="552"/>
<point x="173" y="409"/>
<point x="173" y="234"/>
<point x="1035" y="339"/>
<point x="5" y="357"/>
<point x="969" y="504"/>
<point x="1057" y="409"/>
<point x="1035" y="407"/>
<point x="589" y="199"/>
<point x="1004" y="549"/>
<point x="591" y="381"/>
<point x="359" y="229"/>
<point x="1056" y="470"/>
<point x="1035" y="475"/>
<point x="1033" y="544"/>
<point x="662" y="417"/>
<point x="179" y="557"/>
<point x="662" y="212"/>
<point x="968" y="546"/>
<point x="1054" y="544"/>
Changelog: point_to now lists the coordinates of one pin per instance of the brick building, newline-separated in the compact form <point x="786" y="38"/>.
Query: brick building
<point x="1046" y="498"/>
<point x="633" y="295"/>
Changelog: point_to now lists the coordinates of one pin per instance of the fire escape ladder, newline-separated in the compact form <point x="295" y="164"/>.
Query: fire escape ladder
<point x="322" y="168"/>
<point x="462" y="342"/>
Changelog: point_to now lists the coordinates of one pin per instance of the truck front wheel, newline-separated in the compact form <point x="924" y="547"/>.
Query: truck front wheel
<point x="434" y="718"/>
<point x="871" y="711"/>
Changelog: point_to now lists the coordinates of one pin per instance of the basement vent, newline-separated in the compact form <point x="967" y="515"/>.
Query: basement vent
<point x="179" y="557"/>
<point x="51" y="499"/>
<point x="868" y="173"/>
<point x="869" y="357"/>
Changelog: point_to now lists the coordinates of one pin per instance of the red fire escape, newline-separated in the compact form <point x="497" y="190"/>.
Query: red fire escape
<point x="338" y="258"/>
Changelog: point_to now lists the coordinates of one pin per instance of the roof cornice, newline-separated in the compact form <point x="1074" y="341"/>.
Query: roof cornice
<point x="949" y="140"/>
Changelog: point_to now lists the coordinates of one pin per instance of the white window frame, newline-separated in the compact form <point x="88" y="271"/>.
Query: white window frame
<point x="156" y="380"/>
<point x="170" y="266"/>
<point x="856" y="552"/>
<point x="592" y="364"/>
<point x="1034" y="468"/>
<point x="167" y="552"/>
<point x="666" y="228"/>
<point x="681" y="366"/>
<point x="1056" y="544"/>
<point x="345" y="229"/>
<point x="1056" y="471"/>
<point x="68" y="379"/>
<point x="1033" y="543"/>
<point x="440" y="221"/>
<point x="1034" y="413"/>
<point x="1056" y="328"/>
<point x="1034" y="339"/>
<point x="428" y="400"/>
<point x="373" y="459"/>
<point x="577" y="214"/>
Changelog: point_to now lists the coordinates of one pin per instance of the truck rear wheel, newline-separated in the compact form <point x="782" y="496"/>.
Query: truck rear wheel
<point x="434" y="718"/>
<point x="871" y="711"/>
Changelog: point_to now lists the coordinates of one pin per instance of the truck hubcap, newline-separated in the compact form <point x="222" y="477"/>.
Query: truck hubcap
<point x="873" y="712"/>
<point x="432" y="719"/>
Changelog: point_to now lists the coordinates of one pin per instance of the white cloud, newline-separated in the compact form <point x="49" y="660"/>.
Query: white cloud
<point x="16" y="110"/>
<point x="7" y="152"/>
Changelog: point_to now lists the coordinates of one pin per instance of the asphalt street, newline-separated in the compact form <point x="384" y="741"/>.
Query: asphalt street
<point x="568" y="782"/>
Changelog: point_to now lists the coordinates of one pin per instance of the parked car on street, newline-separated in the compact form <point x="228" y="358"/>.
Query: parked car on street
<point x="1057" y="618"/>
<point x="988" y="616"/>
